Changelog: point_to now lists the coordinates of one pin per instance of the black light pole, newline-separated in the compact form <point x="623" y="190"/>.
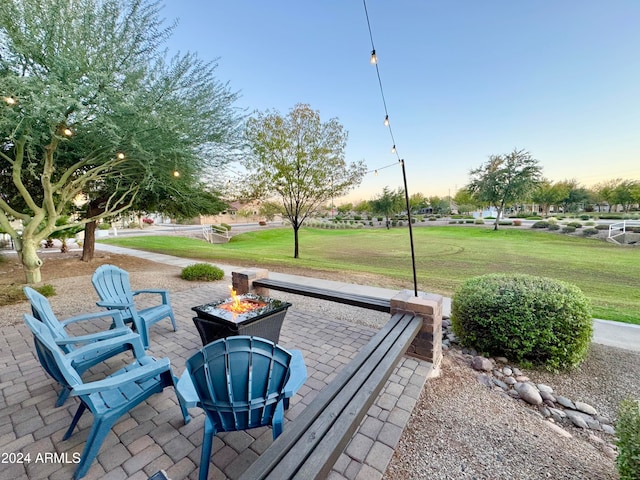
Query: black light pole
<point x="413" y="253"/>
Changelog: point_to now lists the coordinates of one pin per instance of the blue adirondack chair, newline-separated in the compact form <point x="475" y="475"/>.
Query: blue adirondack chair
<point x="108" y="399"/>
<point x="41" y="309"/>
<point x="240" y="382"/>
<point x="114" y="289"/>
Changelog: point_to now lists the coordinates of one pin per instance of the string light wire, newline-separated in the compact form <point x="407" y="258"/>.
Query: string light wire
<point x="375" y="61"/>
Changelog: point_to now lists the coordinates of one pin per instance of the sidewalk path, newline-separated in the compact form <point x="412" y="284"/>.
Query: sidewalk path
<point x="606" y="332"/>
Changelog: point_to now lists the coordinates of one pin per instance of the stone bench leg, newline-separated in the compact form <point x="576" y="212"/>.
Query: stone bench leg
<point x="428" y="343"/>
<point x="242" y="281"/>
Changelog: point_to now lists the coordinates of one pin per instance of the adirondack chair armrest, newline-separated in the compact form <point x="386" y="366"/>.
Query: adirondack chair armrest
<point x="112" y="304"/>
<point x="186" y="391"/>
<point x="116" y="381"/>
<point x="132" y="339"/>
<point x="95" y="337"/>
<point x="117" y="318"/>
<point x="298" y="374"/>
<point x="161" y="292"/>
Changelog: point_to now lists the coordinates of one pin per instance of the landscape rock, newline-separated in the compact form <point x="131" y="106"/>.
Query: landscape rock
<point x="528" y="393"/>
<point x="565" y="402"/>
<point x="496" y="374"/>
<point x="547" y="396"/>
<point x="544" y="388"/>
<point x="586" y="408"/>
<point x="482" y="364"/>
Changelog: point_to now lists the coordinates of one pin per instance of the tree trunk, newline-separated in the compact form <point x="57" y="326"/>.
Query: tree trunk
<point x="27" y="249"/>
<point x="95" y="207"/>
<point x="498" y="213"/>
<point x="89" y="242"/>
<point x="295" y="241"/>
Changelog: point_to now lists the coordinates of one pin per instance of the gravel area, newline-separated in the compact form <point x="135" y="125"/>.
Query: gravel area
<point x="459" y="429"/>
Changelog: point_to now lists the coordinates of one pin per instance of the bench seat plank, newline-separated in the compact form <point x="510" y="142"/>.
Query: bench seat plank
<point x="363" y="301"/>
<point x="311" y="444"/>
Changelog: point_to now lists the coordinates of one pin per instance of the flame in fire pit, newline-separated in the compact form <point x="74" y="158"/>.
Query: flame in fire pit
<point x="236" y="305"/>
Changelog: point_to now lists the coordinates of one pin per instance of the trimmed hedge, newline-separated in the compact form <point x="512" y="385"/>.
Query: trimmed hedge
<point x="628" y="433"/>
<point x="202" y="271"/>
<point x="540" y="224"/>
<point x="530" y="319"/>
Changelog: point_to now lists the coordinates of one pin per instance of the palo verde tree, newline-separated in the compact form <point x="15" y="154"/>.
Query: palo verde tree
<point x="505" y="179"/>
<point x="299" y="159"/>
<point x="92" y="108"/>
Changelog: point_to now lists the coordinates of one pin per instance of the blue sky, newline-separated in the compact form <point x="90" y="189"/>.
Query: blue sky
<point x="462" y="79"/>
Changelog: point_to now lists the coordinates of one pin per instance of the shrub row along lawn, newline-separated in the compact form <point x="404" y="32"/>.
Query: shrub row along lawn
<point x="445" y="257"/>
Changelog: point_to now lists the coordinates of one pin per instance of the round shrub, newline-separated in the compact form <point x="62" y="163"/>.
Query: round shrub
<point x="478" y="221"/>
<point x="575" y="224"/>
<point x="587" y="232"/>
<point x="568" y="229"/>
<point x="540" y="224"/>
<point x="554" y="226"/>
<point x="525" y="318"/>
<point x="628" y="433"/>
<point x="202" y="271"/>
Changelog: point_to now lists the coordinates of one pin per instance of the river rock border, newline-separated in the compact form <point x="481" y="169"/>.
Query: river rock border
<point x="558" y="411"/>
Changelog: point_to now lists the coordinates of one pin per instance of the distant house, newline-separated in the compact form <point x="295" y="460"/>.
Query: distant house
<point x="487" y="212"/>
<point x="237" y="212"/>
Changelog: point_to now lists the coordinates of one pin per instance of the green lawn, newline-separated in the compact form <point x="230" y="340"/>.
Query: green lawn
<point x="445" y="257"/>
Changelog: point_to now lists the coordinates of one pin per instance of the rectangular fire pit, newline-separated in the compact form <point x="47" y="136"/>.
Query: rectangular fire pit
<point x="259" y="316"/>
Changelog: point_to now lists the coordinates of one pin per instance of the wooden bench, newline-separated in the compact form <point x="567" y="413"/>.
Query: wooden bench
<point x="363" y="301"/>
<point x="311" y="444"/>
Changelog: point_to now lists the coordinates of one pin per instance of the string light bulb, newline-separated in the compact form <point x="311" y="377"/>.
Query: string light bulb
<point x="376" y="173"/>
<point x="120" y="156"/>
<point x="393" y="149"/>
<point x="67" y="132"/>
<point x="386" y="120"/>
<point x="374" y="57"/>
<point x="176" y="173"/>
<point x="9" y="101"/>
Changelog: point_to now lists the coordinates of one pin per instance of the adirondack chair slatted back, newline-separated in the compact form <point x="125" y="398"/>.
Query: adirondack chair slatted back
<point x="114" y="289"/>
<point x="112" y="284"/>
<point x="42" y="310"/>
<point x="240" y="381"/>
<point x="51" y="357"/>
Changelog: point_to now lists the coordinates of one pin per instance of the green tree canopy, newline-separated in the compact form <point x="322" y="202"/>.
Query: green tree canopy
<point x="300" y="160"/>
<point x="505" y="179"/>
<point x="388" y="203"/>
<point x="92" y="106"/>
<point x="547" y="194"/>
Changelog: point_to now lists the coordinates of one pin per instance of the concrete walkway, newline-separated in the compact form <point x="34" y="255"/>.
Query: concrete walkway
<point x="606" y="332"/>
